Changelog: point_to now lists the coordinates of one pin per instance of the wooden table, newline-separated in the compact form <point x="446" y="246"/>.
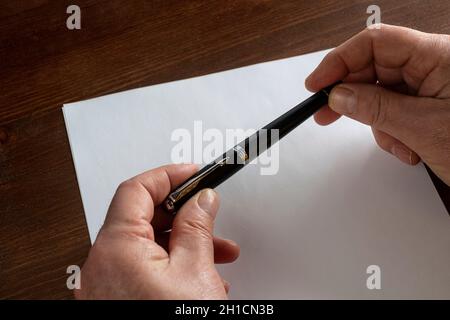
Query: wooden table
<point x="124" y="45"/>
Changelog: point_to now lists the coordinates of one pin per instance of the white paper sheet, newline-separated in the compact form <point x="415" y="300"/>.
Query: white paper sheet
<point x="337" y="205"/>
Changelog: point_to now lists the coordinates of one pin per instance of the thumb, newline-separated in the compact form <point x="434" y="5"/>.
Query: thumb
<point x="384" y="110"/>
<point x="191" y="238"/>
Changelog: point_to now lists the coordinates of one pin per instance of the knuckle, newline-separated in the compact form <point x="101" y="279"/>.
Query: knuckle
<point x="128" y="184"/>
<point x="440" y="135"/>
<point x="379" y="109"/>
<point x="197" y="227"/>
<point x="434" y="131"/>
<point x="139" y="230"/>
<point x="438" y="43"/>
<point x="375" y="33"/>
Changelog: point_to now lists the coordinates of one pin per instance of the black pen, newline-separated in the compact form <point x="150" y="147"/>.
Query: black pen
<point x="213" y="174"/>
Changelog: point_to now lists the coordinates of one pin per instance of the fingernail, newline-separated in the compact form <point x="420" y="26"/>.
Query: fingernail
<point x="207" y="201"/>
<point x="402" y="153"/>
<point x="342" y="100"/>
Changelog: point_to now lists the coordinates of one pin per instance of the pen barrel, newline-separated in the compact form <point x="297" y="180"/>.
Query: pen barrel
<point x="298" y="114"/>
<point x="247" y="150"/>
<point x="213" y="174"/>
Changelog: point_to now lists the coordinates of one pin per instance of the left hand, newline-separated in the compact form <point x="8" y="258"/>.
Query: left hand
<point x="397" y="81"/>
<point x="132" y="260"/>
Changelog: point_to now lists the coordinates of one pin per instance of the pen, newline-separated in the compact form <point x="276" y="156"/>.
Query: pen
<point x="216" y="172"/>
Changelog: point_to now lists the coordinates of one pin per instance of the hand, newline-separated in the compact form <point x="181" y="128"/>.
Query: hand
<point x="131" y="260"/>
<point x="396" y="80"/>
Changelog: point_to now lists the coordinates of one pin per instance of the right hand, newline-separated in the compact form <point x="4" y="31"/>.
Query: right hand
<point x="397" y="81"/>
<point x="130" y="259"/>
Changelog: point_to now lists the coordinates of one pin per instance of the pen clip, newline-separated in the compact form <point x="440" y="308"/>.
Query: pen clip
<point x="193" y="182"/>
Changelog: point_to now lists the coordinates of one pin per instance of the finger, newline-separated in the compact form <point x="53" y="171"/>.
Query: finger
<point x="225" y="251"/>
<point x="399" y="88"/>
<point x="387" y="47"/>
<point x="135" y="198"/>
<point x="366" y="75"/>
<point x="162" y="220"/>
<point x="384" y="110"/>
<point x="226" y="285"/>
<point x="395" y="147"/>
<point x="325" y="116"/>
<point x="191" y="240"/>
<point x="389" y="76"/>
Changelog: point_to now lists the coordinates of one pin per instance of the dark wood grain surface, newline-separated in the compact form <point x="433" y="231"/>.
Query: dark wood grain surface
<point x="124" y="45"/>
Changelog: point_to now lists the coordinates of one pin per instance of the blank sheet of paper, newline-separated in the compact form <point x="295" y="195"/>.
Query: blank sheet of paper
<point x="337" y="205"/>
